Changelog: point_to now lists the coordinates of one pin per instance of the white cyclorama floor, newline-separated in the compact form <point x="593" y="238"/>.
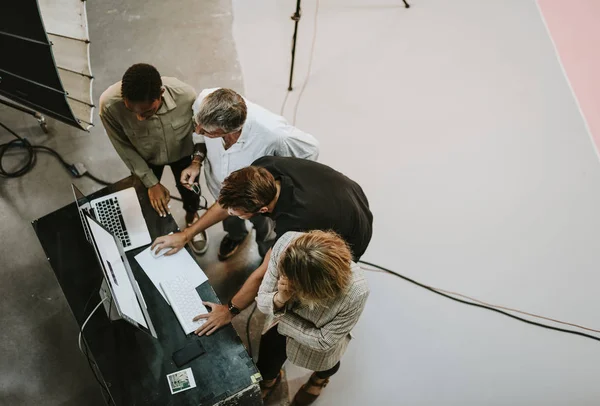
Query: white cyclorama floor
<point x="456" y="119"/>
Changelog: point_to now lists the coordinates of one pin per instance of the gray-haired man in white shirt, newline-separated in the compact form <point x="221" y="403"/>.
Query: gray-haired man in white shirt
<point x="231" y="133"/>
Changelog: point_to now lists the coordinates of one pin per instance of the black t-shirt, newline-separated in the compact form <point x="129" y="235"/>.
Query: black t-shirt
<point x="313" y="196"/>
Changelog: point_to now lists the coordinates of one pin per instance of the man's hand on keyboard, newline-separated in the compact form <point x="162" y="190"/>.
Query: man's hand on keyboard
<point x="175" y="241"/>
<point x="217" y="318"/>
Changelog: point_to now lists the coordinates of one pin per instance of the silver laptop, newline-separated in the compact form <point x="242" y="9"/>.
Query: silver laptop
<point x="119" y="284"/>
<point x="120" y="213"/>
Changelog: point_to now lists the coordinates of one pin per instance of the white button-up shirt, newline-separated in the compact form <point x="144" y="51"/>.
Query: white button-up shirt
<point x="263" y="134"/>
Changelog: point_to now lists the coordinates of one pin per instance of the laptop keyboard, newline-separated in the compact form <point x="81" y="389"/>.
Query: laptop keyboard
<point x="185" y="301"/>
<point x="109" y="214"/>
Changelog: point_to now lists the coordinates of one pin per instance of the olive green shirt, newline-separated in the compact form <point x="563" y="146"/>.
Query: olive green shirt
<point x="164" y="138"/>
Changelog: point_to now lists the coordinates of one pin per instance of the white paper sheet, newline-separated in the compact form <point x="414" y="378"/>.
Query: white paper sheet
<point x="168" y="267"/>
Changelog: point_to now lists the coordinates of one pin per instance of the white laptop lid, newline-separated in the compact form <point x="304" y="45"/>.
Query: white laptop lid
<point x="125" y="292"/>
<point x="83" y="205"/>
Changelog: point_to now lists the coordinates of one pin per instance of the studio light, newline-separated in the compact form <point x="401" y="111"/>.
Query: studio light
<point x="44" y="59"/>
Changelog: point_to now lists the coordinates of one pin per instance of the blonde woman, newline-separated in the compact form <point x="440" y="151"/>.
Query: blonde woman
<point x="313" y="295"/>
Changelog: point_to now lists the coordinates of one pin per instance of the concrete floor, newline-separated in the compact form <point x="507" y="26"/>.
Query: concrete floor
<point x="39" y="359"/>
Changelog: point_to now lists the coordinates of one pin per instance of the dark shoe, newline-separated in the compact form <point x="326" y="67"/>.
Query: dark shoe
<point x="304" y="398"/>
<point x="266" y="391"/>
<point x="228" y="247"/>
<point x="264" y="247"/>
<point x="191" y="217"/>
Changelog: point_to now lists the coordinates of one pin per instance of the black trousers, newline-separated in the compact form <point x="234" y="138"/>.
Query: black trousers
<point x="236" y="227"/>
<point x="271" y="356"/>
<point x="191" y="201"/>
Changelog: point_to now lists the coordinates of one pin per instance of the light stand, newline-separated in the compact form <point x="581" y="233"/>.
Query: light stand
<point x="39" y="117"/>
<point x="296" y="18"/>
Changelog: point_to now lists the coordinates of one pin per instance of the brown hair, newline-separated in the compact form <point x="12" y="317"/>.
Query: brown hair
<point x="248" y="189"/>
<point x="317" y="264"/>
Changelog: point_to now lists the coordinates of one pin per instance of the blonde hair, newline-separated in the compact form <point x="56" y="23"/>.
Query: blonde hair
<point x="317" y="264"/>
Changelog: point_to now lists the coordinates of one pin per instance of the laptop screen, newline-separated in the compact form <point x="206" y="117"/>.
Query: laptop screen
<point x="124" y="289"/>
<point x="84" y="207"/>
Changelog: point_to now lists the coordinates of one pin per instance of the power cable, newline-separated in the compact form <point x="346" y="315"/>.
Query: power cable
<point x="103" y="386"/>
<point x="76" y="170"/>
<point x="248" y="320"/>
<point x="483" y="306"/>
<point x="480" y="304"/>
<point x="449" y="292"/>
<point x="86" y="321"/>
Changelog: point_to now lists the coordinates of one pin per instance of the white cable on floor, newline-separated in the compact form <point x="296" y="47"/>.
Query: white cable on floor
<point x="88" y="319"/>
<point x="284" y="103"/>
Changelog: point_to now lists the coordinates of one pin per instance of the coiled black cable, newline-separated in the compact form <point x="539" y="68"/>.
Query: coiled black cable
<point x="20" y="143"/>
<point x="31" y="152"/>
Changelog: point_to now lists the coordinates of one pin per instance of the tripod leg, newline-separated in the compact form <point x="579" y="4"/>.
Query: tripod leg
<point x="293" y="56"/>
<point x="42" y="122"/>
<point x="40" y="118"/>
<point x="296" y="18"/>
<point x="406" y="5"/>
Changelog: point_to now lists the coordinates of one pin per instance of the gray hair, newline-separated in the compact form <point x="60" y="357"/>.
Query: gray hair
<point x="222" y="109"/>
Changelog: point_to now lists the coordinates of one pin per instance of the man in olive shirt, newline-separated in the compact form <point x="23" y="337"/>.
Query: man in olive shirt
<point x="148" y="119"/>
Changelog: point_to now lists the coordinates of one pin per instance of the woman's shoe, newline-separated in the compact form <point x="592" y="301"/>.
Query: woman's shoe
<point x="303" y="397"/>
<point x="266" y="391"/>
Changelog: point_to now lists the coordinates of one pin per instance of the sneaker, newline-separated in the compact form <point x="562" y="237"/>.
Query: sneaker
<point x="199" y="243"/>
<point x="228" y="247"/>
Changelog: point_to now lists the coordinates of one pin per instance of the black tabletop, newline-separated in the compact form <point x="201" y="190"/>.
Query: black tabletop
<point x="133" y="364"/>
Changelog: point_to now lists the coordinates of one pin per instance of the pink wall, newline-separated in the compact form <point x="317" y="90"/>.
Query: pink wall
<point x="575" y="28"/>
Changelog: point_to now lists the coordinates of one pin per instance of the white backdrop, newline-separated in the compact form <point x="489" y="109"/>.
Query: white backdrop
<point x="458" y="122"/>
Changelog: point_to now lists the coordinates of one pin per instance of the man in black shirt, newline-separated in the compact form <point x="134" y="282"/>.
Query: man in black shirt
<point x="300" y="195"/>
<point x="312" y="196"/>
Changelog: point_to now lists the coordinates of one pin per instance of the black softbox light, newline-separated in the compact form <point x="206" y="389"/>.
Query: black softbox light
<point x="44" y="58"/>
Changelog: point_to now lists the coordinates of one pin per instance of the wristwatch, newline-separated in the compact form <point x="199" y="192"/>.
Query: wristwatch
<point x="232" y="309"/>
<point x="199" y="155"/>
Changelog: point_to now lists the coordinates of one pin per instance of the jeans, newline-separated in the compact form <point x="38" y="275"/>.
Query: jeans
<point x="191" y="201"/>
<point x="271" y="356"/>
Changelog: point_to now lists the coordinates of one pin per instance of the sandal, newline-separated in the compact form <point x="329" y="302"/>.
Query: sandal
<point x="303" y="397"/>
<point x="266" y="391"/>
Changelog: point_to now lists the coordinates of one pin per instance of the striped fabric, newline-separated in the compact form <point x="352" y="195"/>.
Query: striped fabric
<point x="316" y="338"/>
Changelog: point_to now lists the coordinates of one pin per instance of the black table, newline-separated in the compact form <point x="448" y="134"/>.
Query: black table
<point x="132" y="364"/>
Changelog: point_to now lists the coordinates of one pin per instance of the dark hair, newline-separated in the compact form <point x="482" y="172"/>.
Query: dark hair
<point x="248" y="189"/>
<point x="141" y="83"/>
